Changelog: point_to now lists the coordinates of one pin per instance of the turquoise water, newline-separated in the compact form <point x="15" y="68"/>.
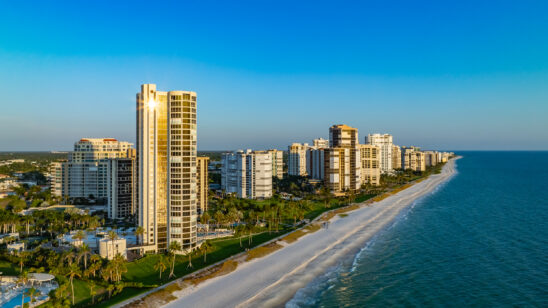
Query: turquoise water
<point x="479" y="240"/>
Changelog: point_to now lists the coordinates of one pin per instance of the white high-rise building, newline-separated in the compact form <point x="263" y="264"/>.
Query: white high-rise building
<point x="384" y="141"/>
<point x="248" y="174"/>
<point x="315" y="161"/>
<point x="277" y="163"/>
<point x="297" y="159"/>
<point x="86" y="173"/>
<point x="166" y="167"/>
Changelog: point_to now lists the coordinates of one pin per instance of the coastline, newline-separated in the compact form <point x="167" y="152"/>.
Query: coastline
<point x="274" y="279"/>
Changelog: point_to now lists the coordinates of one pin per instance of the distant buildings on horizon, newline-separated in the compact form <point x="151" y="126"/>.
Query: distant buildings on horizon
<point x="165" y="185"/>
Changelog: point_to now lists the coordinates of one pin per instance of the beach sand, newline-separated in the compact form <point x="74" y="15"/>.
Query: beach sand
<point x="273" y="280"/>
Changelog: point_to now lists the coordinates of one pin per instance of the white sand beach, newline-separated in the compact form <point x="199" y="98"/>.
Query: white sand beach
<point x="273" y="280"/>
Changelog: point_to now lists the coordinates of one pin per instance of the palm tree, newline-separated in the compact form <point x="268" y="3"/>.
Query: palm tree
<point x="92" y="291"/>
<point x="219" y="218"/>
<point x="118" y="264"/>
<point x="112" y="236"/>
<point x="160" y="265"/>
<point x="205" y="247"/>
<point x="326" y="194"/>
<point x="85" y="251"/>
<point x="139" y="231"/>
<point x="22" y="256"/>
<point x="110" y="288"/>
<point x="32" y="293"/>
<point x="23" y="280"/>
<point x="74" y="271"/>
<point x="95" y="265"/>
<point x="79" y="236"/>
<point x="70" y="257"/>
<point x="205" y="218"/>
<point x="174" y="247"/>
<point x="189" y="259"/>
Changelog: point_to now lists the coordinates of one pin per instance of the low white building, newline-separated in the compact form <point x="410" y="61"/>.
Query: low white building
<point x="16" y="247"/>
<point x="110" y="248"/>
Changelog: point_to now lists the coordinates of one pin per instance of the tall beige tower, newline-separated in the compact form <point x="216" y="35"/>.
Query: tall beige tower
<point x="202" y="184"/>
<point x="166" y="167"/>
<point x="343" y="160"/>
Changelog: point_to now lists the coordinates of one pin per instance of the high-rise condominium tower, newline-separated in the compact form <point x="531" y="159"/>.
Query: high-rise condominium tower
<point x="297" y="159"/>
<point x="342" y="160"/>
<point x="277" y="163"/>
<point x="166" y="167"/>
<point x="86" y="173"/>
<point x="385" y="143"/>
<point x="248" y="174"/>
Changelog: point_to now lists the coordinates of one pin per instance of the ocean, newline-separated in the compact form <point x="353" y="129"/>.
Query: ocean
<point x="479" y="240"/>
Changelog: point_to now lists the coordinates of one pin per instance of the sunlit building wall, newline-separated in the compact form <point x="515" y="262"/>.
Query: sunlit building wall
<point x="166" y="164"/>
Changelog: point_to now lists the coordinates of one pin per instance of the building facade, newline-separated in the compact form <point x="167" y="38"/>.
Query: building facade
<point x="277" y="163"/>
<point x="202" y="184"/>
<point x="297" y="159"/>
<point x="108" y="249"/>
<point x="370" y="160"/>
<point x="320" y="143"/>
<point x="384" y="141"/>
<point x="86" y="173"/>
<point x="121" y="184"/>
<point x="413" y="159"/>
<point x="342" y="160"/>
<point x="431" y="158"/>
<point x="57" y="178"/>
<point x="166" y="167"/>
<point x="316" y="163"/>
<point x="247" y="174"/>
<point x="396" y="157"/>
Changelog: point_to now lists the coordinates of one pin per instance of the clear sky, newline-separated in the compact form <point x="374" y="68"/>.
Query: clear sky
<point x="437" y="74"/>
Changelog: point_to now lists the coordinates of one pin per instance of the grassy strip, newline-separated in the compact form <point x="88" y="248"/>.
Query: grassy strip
<point x="294" y="236"/>
<point x="341" y="210"/>
<point x="262" y="251"/>
<point x="216" y="271"/>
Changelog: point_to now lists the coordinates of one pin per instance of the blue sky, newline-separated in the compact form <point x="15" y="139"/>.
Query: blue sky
<point x="462" y="75"/>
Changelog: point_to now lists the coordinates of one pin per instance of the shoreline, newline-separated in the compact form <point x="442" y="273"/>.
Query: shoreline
<point x="274" y="279"/>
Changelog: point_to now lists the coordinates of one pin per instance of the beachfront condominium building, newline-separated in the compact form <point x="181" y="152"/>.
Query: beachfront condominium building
<point x="370" y="160"/>
<point x="202" y="184"/>
<point x="413" y="159"/>
<point x="315" y="161"/>
<point x="338" y="170"/>
<point x="121" y="181"/>
<point x="343" y="136"/>
<point x="430" y="158"/>
<point x="342" y="159"/>
<point x="384" y="141"/>
<point x="320" y="143"/>
<point x="247" y="174"/>
<point x="85" y="174"/>
<point x="396" y="157"/>
<point x="277" y="163"/>
<point x="297" y="159"/>
<point x="166" y="168"/>
<point x="56" y="179"/>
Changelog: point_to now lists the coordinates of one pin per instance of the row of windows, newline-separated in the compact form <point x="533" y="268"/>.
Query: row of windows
<point x="183" y="97"/>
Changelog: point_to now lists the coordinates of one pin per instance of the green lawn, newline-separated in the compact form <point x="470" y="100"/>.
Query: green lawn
<point x="8" y="269"/>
